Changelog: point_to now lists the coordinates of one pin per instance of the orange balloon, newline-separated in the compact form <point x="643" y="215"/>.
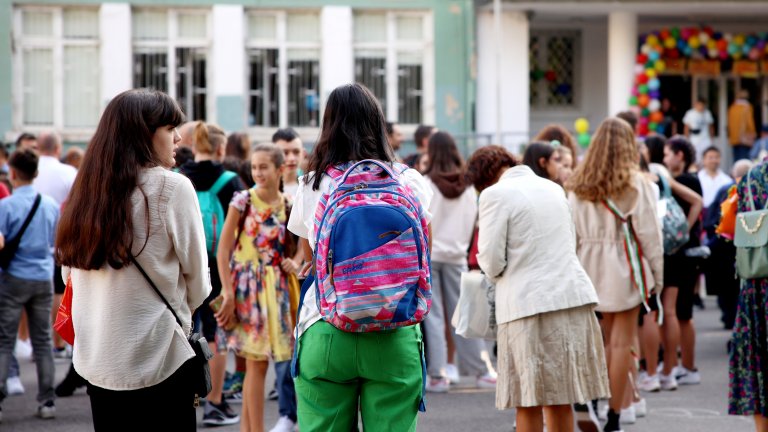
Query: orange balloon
<point x="643" y="100"/>
<point x="657" y="117"/>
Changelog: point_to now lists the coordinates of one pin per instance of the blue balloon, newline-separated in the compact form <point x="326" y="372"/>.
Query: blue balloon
<point x="751" y="40"/>
<point x="733" y="48"/>
<point x="717" y="35"/>
<point x="654" y="94"/>
<point x="681" y="44"/>
<point x="687" y="51"/>
<point x="746" y="48"/>
<point x="654" y="84"/>
<point x="653" y="55"/>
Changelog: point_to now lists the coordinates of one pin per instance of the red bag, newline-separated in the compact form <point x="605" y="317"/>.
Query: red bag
<point x="63" y="324"/>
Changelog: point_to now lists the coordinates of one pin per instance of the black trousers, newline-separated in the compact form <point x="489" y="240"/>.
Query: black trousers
<point x="168" y="406"/>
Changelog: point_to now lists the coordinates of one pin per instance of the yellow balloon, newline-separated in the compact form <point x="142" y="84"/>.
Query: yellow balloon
<point x="738" y="39"/>
<point x="651" y="73"/>
<point x="694" y="42"/>
<point x="652" y="40"/>
<point x="660" y="65"/>
<point x="670" y="42"/>
<point x="581" y="125"/>
<point x="711" y="44"/>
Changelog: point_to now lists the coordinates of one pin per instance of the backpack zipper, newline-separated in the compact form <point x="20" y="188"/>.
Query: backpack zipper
<point x="330" y="265"/>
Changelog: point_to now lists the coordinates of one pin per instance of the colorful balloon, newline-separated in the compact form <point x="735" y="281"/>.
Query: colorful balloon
<point x="581" y="125"/>
<point x="642" y="130"/>
<point x="641" y="79"/>
<point x="754" y="53"/>
<point x="652" y="40"/>
<point x="652" y="125"/>
<point x="633" y="101"/>
<point x="703" y="38"/>
<point x="642" y="58"/>
<point x="643" y="100"/>
<point x="654" y="94"/>
<point x="657" y="117"/>
<point x="583" y="139"/>
<point x="643" y="89"/>
<point x="653" y="56"/>
<point x="660" y="66"/>
<point x="670" y="43"/>
<point x="739" y="39"/>
<point x="694" y="42"/>
<point x="550" y="75"/>
<point x="675" y="32"/>
<point x="645" y="112"/>
<point x="654" y="84"/>
<point x="654" y="105"/>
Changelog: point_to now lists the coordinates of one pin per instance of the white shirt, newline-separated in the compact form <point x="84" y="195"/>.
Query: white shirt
<point x="302" y="223"/>
<point x="125" y="336"/>
<point x="453" y="221"/>
<point x="710" y="185"/>
<point x="54" y="178"/>
<point x="527" y="246"/>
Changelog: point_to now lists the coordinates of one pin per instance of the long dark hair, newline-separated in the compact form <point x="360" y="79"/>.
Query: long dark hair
<point x="100" y="201"/>
<point x="353" y="129"/>
<point x="444" y="156"/>
<point x="533" y="153"/>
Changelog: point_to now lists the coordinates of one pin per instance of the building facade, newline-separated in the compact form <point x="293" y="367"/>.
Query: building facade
<point x="248" y="66"/>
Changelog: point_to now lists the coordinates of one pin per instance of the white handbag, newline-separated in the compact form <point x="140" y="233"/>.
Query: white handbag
<point x="474" y="315"/>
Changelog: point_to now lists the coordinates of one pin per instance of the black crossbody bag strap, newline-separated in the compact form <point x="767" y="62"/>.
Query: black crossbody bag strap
<point x="152" y="284"/>
<point x="30" y="215"/>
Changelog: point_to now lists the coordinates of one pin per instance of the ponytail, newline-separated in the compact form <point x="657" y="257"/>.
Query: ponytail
<point x="208" y="138"/>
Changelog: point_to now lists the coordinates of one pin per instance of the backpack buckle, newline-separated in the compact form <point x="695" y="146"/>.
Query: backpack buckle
<point x="360" y="186"/>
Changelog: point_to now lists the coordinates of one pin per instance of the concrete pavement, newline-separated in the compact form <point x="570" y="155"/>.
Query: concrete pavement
<point x="464" y="409"/>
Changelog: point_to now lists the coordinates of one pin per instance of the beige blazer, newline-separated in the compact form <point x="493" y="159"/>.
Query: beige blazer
<point x="600" y="245"/>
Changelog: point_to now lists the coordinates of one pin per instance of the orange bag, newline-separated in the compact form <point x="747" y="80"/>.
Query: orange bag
<point x="728" y="210"/>
<point x="63" y="324"/>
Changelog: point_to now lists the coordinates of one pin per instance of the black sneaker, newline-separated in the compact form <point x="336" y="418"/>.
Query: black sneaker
<point x="272" y="394"/>
<point x="219" y="415"/>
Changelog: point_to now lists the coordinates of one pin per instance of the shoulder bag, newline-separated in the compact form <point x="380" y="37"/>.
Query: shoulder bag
<point x="674" y="223"/>
<point x="201" y="382"/>
<point x="12" y="246"/>
<point x="750" y="239"/>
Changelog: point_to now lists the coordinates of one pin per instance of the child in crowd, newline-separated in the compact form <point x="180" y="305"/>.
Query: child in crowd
<point x="259" y="286"/>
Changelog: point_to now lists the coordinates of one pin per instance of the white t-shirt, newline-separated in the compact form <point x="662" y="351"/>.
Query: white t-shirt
<point x="54" y="178"/>
<point x="453" y="221"/>
<point x="699" y="121"/>
<point x="710" y="185"/>
<point x="302" y="223"/>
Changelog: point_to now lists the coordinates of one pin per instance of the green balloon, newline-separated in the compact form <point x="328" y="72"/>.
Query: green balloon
<point x="538" y="74"/>
<point x="633" y="101"/>
<point x="652" y="126"/>
<point x="642" y="89"/>
<point x="650" y="64"/>
<point x="584" y="139"/>
<point x="645" y="112"/>
<point x="675" y="32"/>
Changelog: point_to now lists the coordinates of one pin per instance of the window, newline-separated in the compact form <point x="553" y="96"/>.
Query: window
<point x="554" y="70"/>
<point x="56" y="67"/>
<point x="391" y="49"/>
<point x="283" y="68"/>
<point x="170" y="53"/>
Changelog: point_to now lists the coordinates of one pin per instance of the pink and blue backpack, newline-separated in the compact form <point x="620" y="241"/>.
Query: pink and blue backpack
<point x="371" y="259"/>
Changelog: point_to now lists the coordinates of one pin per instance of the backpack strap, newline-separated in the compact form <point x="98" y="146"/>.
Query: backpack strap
<point x="633" y="251"/>
<point x="223" y="179"/>
<point x="666" y="192"/>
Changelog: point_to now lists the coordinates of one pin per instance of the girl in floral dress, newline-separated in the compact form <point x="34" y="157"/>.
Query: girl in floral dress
<point x="259" y="287"/>
<point x="748" y="369"/>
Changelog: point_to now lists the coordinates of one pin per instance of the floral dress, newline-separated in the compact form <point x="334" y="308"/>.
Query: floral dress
<point x="265" y="296"/>
<point x="748" y="367"/>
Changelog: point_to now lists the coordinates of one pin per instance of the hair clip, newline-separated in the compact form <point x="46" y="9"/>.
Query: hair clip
<point x="555" y="143"/>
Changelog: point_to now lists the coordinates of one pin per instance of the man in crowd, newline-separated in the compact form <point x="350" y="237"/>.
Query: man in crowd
<point x="26" y="283"/>
<point x="421" y="138"/>
<point x="26" y="141"/>
<point x="395" y="137"/>
<point x="711" y="177"/>
<point x="741" y="126"/>
<point x="293" y="149"/>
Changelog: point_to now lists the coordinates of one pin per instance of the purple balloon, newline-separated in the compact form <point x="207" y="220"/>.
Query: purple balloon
<point x="654" y="94"/>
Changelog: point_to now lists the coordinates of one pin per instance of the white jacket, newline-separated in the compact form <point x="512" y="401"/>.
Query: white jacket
<point x="527" y="246"/>
<point x="453" y="221"/>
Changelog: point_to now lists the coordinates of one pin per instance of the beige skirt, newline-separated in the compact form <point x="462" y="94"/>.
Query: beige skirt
<point x="554" y="358"/>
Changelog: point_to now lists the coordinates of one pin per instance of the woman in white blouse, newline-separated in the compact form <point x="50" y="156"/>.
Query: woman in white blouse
<point x="127" y="203"/>
<point x="550" y="349"/>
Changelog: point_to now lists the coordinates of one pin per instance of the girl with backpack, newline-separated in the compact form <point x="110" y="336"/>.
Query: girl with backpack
<point x="259" y="286"/>
<point x="618" y="242"/>
<point x="454" y="210"/>
<point x="215" y="187"/>
<point x="338" y="372"/>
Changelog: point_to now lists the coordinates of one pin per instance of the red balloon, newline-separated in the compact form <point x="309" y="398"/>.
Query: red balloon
<point x="642" y="79"/>
<point x="663" y="34"/>
<point x="722" y="45"/>
<point x="550" y="75"/>
<point x="673" y="53"/>
<point x="642" y="130"/>
<point x="708" y="30"/>
<point x="642" y="59"/>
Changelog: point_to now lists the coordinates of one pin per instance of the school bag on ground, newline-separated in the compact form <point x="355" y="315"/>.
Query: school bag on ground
<point x="212" y="211"/>
<point x="371" y="260"/>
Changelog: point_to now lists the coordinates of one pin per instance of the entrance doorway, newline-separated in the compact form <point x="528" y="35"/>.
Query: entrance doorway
<point x="675" y="101"/>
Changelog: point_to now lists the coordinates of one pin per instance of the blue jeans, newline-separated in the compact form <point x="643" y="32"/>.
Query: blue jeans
<point x="286" y="393"/>
<point x="36" y="297"/>
<point x="740" y="151"/>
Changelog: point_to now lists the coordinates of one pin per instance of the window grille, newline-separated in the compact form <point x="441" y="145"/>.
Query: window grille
<point x="390" y="53"/>
<point x="56" y="80"/>
<point x="171" y="55"/>
<point x="283" y="68"/>
<point x="554" y="69"/>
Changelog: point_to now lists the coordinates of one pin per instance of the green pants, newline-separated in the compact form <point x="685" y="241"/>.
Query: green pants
<point x="381" y="372"/>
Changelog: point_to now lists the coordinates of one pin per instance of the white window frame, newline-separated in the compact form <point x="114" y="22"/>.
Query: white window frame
<point x="56" y="42"/>
<point x="172" y="42"/>
<point x="541" y="105"/>
<point x="392" y="46"/>
<point x="282" y="45"/>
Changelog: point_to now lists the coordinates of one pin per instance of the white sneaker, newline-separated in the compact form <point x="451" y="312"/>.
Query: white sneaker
<point x="628" y="415"/>
<point x="438" y="385"/>
<point x="47" y="410"/>
<point x="668" y="382"/>
<point x="23" y="349"/>
<point x="641" y="410"/>
<point x="284" y="424"/>
<point x="649" y="383"/>
<point x="602" y="412"/>
<point x="687" y="377"/>
<point x="486" y="381"/>
<point x="452" y="373"/>
<point x="13" y="386"/>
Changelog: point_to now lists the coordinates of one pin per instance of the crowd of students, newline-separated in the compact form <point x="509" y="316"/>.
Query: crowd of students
<point x="596" y="258"/>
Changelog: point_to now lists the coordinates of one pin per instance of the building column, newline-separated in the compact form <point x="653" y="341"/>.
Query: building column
<point x="507" y="96"/>
<point x="337" y="57"/>
<point x="228" y="56"/>
<point x="622" y="50"/>
<point x="116" y="50"/>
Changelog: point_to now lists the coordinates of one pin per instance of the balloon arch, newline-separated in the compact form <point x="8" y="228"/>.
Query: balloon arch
<point x="703" y="49"/>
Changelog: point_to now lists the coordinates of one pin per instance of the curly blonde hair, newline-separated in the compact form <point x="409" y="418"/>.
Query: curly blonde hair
<point x="609" y="165"/>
